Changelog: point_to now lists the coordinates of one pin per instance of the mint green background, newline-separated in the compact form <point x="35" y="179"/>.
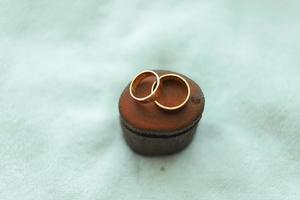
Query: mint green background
<point x="63" y="65"/>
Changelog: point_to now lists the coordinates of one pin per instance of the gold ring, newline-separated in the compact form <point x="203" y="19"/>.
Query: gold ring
<point x="138" y="79"/>
<point x="177" y="78"/>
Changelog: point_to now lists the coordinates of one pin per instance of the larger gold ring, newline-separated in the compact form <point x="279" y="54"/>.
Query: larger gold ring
<point x="177" y="78"/>
<point x="136" y="82"/>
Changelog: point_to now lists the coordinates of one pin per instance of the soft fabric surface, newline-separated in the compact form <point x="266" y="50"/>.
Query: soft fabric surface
<point x="63" y="65"/>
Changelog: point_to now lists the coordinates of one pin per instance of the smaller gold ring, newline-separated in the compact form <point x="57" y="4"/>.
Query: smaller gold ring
<point x="174" y="77"/>
<point x="138" y="79"/>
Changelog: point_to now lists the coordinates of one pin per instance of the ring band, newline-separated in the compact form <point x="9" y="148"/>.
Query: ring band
<point x="178" y="78"/>
<point x="136" y="82"/>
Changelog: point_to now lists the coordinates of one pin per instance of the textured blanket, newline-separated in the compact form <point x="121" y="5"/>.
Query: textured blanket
<point x="63" y="65"/>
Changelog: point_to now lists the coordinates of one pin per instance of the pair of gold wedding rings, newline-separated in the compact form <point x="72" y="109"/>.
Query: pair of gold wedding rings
<point x="157" y="86"/>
